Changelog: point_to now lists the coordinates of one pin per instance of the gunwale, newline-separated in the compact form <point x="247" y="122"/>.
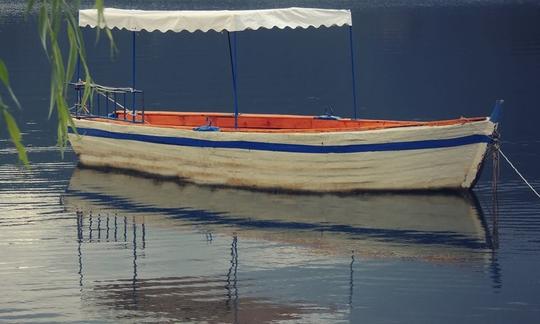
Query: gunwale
<point x="269" y="123"/>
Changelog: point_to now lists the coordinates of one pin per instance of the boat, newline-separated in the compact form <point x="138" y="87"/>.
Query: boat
<point x="320" y="153"/>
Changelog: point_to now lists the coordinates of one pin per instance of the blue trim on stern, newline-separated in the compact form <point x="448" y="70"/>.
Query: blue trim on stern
<point x="290" y="148"/>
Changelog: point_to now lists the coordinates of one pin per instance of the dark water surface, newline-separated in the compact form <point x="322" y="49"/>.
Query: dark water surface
<point x="80" y="245"/>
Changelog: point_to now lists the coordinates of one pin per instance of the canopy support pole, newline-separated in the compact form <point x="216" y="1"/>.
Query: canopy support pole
<point x="232" y="56"/>
<point x="79" y="97"/>
<point x="351" y="45"/>
<point x="133" y="70"/>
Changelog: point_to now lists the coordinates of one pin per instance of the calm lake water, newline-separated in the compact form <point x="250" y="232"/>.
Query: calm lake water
<point x="81" y="245"/>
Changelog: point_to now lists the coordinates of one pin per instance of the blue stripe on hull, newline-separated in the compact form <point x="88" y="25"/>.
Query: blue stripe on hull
<point x="291" y="148"/>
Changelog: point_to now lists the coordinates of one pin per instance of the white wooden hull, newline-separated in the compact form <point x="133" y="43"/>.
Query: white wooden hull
<point x="401" y="158"/>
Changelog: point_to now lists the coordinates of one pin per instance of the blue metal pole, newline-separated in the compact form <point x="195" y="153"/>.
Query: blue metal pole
<point x="235" y="60"/>
<point x="106" y="103"/>
<point x="77" y="87"/>
<point x="133" y="70"/>
<point x="351" y="44"/>
<point x="233" y="70"/>
<point x="98" y="104"/>
<point x="235" y="56"/>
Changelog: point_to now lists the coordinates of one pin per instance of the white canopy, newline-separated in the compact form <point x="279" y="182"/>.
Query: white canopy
<point x="229" y="20"/>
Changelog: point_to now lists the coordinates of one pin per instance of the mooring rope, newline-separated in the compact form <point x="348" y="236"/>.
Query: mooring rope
<point x="519" y="173"/>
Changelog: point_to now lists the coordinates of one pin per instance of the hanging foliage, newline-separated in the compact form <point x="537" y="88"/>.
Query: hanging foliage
<point x="55" y="17"/>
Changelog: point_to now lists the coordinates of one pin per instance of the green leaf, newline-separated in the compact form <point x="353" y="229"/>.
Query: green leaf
<point x="15" y="135"/>
<point x="100" y="6"/>
<point x="52" y="14"/>
<point x="56" y="15"/>
<point x="4" y="76"/>
<point x="58" y="64"/>
<point x="88" y="90"/>
<point x="29" y="6"/>
<point x="52" y="99"/>
<point x="112" y="44"/>
<point x="43" y="26"/>
<point x="63" y="120"/>
<point x="72" y="57"/>
<point x="13" y="97"/>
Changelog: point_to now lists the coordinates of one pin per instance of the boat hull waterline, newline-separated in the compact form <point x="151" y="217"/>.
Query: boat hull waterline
<point x="421" y="157"/>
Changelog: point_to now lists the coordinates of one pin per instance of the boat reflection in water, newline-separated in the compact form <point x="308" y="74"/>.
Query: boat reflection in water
<point x="183" y="242"/>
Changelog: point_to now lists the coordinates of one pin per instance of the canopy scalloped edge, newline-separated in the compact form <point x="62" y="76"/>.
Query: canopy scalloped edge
<point x="229" y="20"/>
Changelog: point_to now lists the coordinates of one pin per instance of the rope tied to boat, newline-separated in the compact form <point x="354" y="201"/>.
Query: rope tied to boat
<point x="496" y="147"/>
<point x="517" y="172"/>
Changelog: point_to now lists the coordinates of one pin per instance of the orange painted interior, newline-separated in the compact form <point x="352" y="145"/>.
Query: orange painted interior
<point x="273" y="123"/>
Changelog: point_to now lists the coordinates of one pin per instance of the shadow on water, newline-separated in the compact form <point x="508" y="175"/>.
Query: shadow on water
<point x="127" y="209"/>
